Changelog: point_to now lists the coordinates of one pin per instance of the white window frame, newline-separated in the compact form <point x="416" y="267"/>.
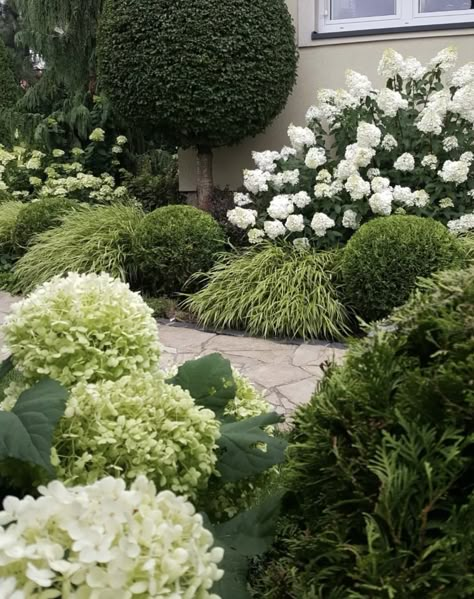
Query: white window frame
<point x="407" y="15"/>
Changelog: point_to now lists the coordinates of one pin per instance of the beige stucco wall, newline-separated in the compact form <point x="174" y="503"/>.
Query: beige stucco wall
<point x="321" y="66"/>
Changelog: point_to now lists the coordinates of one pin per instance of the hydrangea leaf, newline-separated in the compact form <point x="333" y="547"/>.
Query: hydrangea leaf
<point x="247" y="535"/>
<point x="6" y="366"/>
<point x="241" y="452"/>
<point x="209" y="380"/>
<point x="26" y="432"/>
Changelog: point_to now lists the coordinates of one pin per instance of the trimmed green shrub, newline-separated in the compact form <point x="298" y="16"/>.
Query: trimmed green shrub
<point x="10" y="92"/>
<point x="9" y="212"/>
<point x="381" y="462"/>
<point x="37" y="217"/>
<point x="382" y="261"/>
<point x="173" y="243"/>
<point x="91" y="239"/>
<point x="274" y="290"/>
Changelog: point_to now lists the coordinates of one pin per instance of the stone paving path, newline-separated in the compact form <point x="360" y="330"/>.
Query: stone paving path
<point x="287" y="373"/>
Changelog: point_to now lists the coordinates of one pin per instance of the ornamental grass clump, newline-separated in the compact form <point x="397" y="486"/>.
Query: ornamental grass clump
<point x="104" y="540"/>
<point x="82" y="328"/>
<point x="273" y="290"/>
<point x="9" y="212"/>
<point x="381" y="464"/>
<point x="92" y="239"/>
<point x="382" y="261"/>
<point x="405" y="149"/>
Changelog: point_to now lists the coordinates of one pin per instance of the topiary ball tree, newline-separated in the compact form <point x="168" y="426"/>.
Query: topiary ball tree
<point x="9" y="92"/>
<point x="206" y="73"/>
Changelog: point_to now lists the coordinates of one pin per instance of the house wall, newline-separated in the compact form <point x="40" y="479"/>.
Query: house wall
<point x="321" y="64"/>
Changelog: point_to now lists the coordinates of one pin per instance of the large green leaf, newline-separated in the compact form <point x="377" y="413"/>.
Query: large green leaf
<point x="209" y="380"/>
<point x="242" y="454"/>
<point x="248" y="534"/>
<point x="26" y="432"/>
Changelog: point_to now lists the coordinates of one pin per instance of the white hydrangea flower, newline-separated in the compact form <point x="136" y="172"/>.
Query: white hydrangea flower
<point x="121" y="140"/>
<point x="117" y="150"/>
<point x="379" y="184"/>
<point x="430" y="161"/>
<point x="405" y="162"/>
<point x="106" y="539"/>
<point x="373" y="172"/>
<point x="420" y="198"/>
<point x="280" y="207"/>
<point x="265" y="161"/>
<point x="454" y="171"/>
<point x="321" y="223"/>
<point x="274" y="228"/>
<point x="446" y="203"/>
<point x="97" y="135"/>
<point x="389" y="143"/>
<point x="57" y="153"/>
<point x="286" y="152"/>
<point x="450" y="143"/>
<point x="463" y="102"/>
<point x="315" y="157"/>
<point x="359" y="85"/>
<point x="467" y="157"/>
<point x="323" y="190"/>
<point x="464" y="75"/>
<point x="368" y="135"/>
<point x="243" y="218"/>
<point x="301" y="199"/>
<point x="324" y="176"/>
<point x="255" y="236"/>
<point x="430" y="121"/>
<point x="345" y="169"/>
<point x="313" y="114"/>
<point x="403" y="195"/>
<point x="344" y="99"/>
<point x="357" y="187"/>
<point x="256" y="181"/>
<point x="242" y="199"/>
<point x="295" y="223"/>
<point x="33" y="164"/>
<point x="301" y="137"/>
<point x="358" y="156"/>
<point x="350" y="220"/>
<point x="279" y="180"/>
<point x="412" y="69"/>
<point x="391" y="64"/>
<point x="390" y="102"/>
<point x="381" y="203"/>
<point x="302" y="243"/>
<point x="445" y="59"/>
<point x="464" y="224"/>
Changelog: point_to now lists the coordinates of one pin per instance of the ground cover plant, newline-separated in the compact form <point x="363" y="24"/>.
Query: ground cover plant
<point x="405" y="148"/>
<point x="273" y="290"/>
<point x="202" y="432"/>
<point x="382" y="261"/>
<point x="380" y="462"/>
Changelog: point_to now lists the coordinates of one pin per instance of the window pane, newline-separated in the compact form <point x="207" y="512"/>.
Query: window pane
<point x="441" y="5"/>
<point x="356" y="9"/>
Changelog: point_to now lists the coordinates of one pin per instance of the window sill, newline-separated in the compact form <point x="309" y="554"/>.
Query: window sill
<point x="316" y="37"/>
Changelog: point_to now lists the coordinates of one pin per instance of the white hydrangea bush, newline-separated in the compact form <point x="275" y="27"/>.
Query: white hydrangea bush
<point x="407" y="148"/>
<point x="31" y="174"/>
<point x="84" y="327"/>
<point x="105" y="541"/>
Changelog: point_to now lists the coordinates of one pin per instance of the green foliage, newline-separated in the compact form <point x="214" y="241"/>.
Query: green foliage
<point x="273" y="290"/>
<point x="37" y="217"/>
<point x="91" y="239"/>
<point x="382" y="261"/>
<point x="173" y="243"/>
<point x="216" y="72"/>
<point x="9" y="95"/>
<point x="381" y="464"/>
<point x="9" y="212"/>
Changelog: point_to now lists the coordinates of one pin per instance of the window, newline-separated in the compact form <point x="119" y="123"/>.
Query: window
<point x="339" y="16"/>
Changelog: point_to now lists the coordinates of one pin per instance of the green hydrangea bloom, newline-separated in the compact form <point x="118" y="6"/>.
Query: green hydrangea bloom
<point x="82" y="328"/>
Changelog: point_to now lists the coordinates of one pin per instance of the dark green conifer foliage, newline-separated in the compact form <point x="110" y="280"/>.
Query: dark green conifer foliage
<point x="9" y="94"/>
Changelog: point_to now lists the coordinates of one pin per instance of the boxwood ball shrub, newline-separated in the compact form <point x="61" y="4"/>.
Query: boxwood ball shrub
<point x="37" y="217"/>
<point x="105" y="539"/>
<point x="174" y="242"/>
<point x="273" y="290"/>
<point x="82" y="328"/>
<point x="382" y="261"/>
<point x="381" y="464"/>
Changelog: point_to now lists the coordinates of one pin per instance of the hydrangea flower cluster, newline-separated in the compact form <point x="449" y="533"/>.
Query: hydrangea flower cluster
<point x="26" y="174"/>
<point x="353" y="161"/>
<point x="104" y="540"/>
<point x="82" y="328"/>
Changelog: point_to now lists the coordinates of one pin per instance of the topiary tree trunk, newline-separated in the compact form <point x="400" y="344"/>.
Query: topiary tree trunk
<point x="205" y="179"/>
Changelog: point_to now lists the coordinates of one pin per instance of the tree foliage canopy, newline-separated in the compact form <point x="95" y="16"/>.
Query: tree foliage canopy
<point x="205" y="72"/>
